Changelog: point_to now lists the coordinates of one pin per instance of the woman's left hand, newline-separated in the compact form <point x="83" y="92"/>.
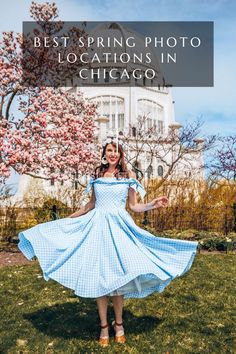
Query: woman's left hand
<point x="159" y="202"/>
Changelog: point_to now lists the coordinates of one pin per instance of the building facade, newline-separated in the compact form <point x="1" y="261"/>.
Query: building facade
<point x="121" y="104"/>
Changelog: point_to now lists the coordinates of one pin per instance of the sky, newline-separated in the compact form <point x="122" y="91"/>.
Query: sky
<point x="214" y="105"/>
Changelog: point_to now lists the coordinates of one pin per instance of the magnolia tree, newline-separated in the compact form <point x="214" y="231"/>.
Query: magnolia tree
<point x="52" y="133"/>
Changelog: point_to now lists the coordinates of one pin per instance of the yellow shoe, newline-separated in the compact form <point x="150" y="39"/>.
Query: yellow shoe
<point x="104" y="341"/>
<point x="119" y="335"/>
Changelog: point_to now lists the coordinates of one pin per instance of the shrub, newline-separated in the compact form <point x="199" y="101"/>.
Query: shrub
<point x="211" y="241"/>
<point x="44" y="213"/>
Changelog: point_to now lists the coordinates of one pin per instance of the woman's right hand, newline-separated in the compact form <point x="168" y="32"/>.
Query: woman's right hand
<point x="159" y="202"/>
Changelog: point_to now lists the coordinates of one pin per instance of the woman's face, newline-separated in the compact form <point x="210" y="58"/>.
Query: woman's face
<point x="112" y="155"/>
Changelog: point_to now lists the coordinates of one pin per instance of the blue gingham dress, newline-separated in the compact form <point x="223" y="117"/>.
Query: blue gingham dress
<point x="104" y="252"/>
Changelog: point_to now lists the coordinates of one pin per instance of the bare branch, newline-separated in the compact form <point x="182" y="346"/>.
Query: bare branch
<point x="9" y="103"/>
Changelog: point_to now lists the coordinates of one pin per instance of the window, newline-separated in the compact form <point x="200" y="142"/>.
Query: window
<point x="112" y="107"/>
<point x="160" y="127"/>
<point x="106" y="77"/>
<point x="154" y="113"/>
<point x="113" y="121"/>
<point x="134" y="131"/>
<point x="149" y="123"/>
<point x="95" y="77"/>
<point x="149" y="171"/>
<point x="160" y="171"/>
<point x="121" y="121"/>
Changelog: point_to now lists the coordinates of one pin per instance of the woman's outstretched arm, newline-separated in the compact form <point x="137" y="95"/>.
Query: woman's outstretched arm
<point x="140" y="207"/>
<point x="89" y="206"/>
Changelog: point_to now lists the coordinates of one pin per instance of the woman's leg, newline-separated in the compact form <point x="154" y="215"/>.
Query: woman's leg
<point x="102" y="303"/>
<point x="118" y="309"/>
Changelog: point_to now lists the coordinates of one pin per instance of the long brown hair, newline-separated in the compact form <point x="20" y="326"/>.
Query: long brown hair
<point x="122" y="170"/>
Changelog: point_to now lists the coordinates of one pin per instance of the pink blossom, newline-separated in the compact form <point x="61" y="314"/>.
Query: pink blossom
<point x="54" y="130"/>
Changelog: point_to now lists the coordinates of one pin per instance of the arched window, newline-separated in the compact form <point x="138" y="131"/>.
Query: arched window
<point x="149" y="171"/>
<point x="160" y="171"/>
<point x="154" y="113"/>
<point x="134" y="131"/>
<point x="112" y="107"/>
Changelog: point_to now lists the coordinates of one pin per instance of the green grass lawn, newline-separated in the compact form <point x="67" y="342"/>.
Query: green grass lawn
<point x="194" y="314"/>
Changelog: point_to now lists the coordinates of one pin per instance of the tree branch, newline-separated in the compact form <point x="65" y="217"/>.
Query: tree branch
<point x="10" y="102"/>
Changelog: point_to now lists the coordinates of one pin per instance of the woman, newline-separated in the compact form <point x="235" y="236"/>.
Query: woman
<point x="99" y="251"/>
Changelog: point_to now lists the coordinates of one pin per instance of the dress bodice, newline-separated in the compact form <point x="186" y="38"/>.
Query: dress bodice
<point x="111" y="192"/>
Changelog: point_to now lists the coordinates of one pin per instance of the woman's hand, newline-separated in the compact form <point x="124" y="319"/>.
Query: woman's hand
<point x="159" y="202"/>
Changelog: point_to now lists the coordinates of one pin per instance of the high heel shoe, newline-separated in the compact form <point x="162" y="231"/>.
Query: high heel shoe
<point x="104" y="341"/>
<point x="119" y="335"/>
